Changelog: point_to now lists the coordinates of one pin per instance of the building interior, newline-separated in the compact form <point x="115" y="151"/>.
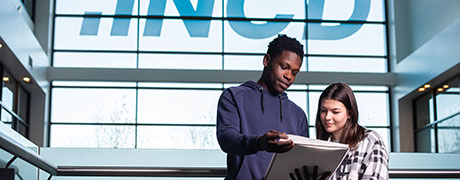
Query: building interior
<point x="134" y="84"/>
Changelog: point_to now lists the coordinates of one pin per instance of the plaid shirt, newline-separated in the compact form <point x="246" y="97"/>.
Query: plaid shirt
<point x="369" y="160"/>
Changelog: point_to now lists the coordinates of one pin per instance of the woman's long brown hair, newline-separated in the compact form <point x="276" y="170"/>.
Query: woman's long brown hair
<point x="352" y="132"/>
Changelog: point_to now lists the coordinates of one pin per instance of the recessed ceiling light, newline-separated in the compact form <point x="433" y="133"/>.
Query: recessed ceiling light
<point x="1" y="45"/>
<point x="440" y="89"/>
<point x="421" y="89"/>
<point x="427" y="86"/>
<point x="446" y="86"/>
<point x="6" y="79"/>
<point x="26" y="79"/>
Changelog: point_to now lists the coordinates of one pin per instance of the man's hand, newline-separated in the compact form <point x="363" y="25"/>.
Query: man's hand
<point x="269" y="142"/>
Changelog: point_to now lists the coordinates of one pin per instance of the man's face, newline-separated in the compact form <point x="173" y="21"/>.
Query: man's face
<point x="281" y="70"/>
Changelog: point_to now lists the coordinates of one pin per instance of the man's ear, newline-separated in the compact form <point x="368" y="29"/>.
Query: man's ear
<point x="266" y="60"/>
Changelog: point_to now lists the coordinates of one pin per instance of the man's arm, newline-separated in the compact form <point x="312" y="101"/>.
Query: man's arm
<point x="232" y="141"/>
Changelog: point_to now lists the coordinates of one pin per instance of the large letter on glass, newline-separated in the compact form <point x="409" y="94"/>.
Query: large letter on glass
<point x="317" y="31"/>
<point x="195" y="28"/>
<point x="235" y="8"/>
<point x="120" y="26"/>
<point x="90" y="25"/>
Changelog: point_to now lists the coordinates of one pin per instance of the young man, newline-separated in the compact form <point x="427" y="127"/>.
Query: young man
<point x="253" y="116"/>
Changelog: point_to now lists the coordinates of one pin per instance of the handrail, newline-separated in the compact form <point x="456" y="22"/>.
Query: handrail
<point x="31" y="157"/>
<point x="26" y="154"/>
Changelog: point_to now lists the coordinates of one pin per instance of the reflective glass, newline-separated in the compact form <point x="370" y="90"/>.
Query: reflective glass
<point x="208" y="8"/>
<point x="254" y="36"/>
<point x="73" y="33"/>
<point x="176" y="35"/>
<point x="93" y="105"/>
<point x="425" y="141"/>
<point x="106" y="7"/>
<point x="177" y="137"/>
<point x="180" y="61"/>
<point x="448" y="101"/>
<point x="92" y="136"/>
<point x="424" y="112"/>
<point x="449" y="135"/>
<point x="347" y="10"/>
<point x="95" y="60"/>
<point x="292" y="9"/>
<point x="178" y="106"/>
<point x="346" y="39"/>
<point x="342" y="64"/>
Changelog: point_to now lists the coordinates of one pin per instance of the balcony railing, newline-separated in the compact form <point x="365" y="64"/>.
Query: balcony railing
<point x="38" y="161"/>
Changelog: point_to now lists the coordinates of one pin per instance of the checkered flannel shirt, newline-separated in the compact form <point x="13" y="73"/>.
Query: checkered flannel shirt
<point x="369" y="160"/>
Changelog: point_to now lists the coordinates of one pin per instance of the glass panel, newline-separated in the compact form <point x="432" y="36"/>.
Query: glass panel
<point x="23" y="104"/>
<point x="293" y="9"/>
<point x="353" y="87"/>
<point x="95" y="60"/>
<point x="299" y="98"/>
<point x="424" y="113"/>
<point x="163" y="106"/>
<point x="92" y="136"/>
<point x="179" y="85"/>
<point x="372" y="108"/>
<point x="93" y="105"/>
<point x="448" y="101"/>
<point x="170" y="8"/>
<point x="8" y="90"/>
<point x="346" y="39"/>
<point x="6" y="116"/>
<point x="94" y="83"/>
<point x="312" y="132"/>
<point x="449" y="135"/>
<point x="313" y="98"/>
<point x="339" y="64"/>
<point x="96" y="34"/>
<point x="424" y="140"/>
<point x="239" y="62"/>
<point x="22" y="129"/>
<point x="180" y="61"/>
<point x="344" y="10"/>
<point x="176" y="35"/>
<point x="385" y="134"/>
<point x="255" y="38"/>
<point x="174" y="137"/>
<point x="106" y="7"/>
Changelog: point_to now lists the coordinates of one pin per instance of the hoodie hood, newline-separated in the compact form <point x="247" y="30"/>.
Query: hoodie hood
<point x="265" y="91"/>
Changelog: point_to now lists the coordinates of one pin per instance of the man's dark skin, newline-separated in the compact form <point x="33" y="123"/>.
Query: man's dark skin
<point x="278" y="74"/>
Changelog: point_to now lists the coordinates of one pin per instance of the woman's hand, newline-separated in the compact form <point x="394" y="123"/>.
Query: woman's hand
<point x="307" y="175"/>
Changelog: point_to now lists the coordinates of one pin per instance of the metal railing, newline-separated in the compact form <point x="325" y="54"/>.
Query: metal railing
<point x="33" y="158"/>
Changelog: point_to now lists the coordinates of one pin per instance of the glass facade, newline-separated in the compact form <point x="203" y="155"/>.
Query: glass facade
<point x="438" y="119"/>
<point x="223" y="35"/>
<point x="14" y="104"/>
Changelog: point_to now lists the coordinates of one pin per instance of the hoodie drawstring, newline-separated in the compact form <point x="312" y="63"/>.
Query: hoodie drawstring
<point x="262" y="98"/>
<point x="281" y="108"/>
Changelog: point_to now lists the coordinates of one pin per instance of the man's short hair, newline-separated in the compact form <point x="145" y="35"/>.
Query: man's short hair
<point x="283" y="42"/>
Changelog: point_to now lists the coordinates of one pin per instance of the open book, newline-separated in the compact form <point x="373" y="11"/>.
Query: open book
<point x="306" y="152"/>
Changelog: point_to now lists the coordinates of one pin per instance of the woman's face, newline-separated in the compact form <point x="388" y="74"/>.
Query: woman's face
<point x="333" y="115"/>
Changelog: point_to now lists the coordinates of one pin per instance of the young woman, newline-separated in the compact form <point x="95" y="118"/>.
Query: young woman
<point x="337" y="120"/>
